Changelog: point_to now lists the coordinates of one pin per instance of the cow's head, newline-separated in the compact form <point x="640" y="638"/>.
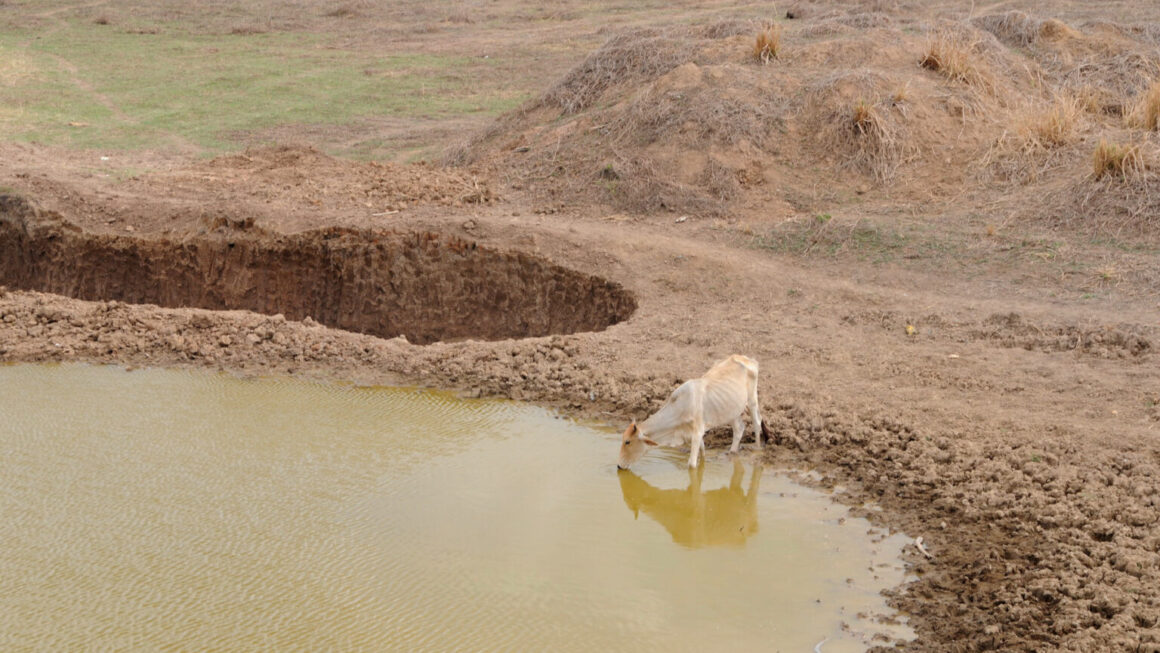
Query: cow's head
<point x="632" y="445"/>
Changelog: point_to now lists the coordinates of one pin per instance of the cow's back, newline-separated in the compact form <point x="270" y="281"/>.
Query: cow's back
<point x="726" y="388"/>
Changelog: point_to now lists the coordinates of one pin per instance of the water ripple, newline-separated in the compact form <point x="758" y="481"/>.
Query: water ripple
<point x="162" y="510"/>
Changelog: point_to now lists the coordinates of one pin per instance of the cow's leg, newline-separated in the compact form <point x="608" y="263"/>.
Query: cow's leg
<point x="738" y="431"/>
<point x="698" y="442"/>
<point x="754" y="412"/>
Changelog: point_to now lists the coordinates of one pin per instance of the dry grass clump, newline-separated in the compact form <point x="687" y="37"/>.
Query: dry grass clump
<point x="1146" y="113"/>
<point x="1053" y="128"/>
<point x="1106" y="79"/>
<point x="633" y="57"/>
<point x="1034" y="141"/>
<point x="247" y="30"/>
<point x="720" y="181"/>
<point x="1119" y="198"/>
<point x="723" y="29"/>
<point x="959" y="56"/>
<point x="1148" y="33"/>
<point x="768" y="43"/>
<point x="872" y="137"/>
<point x="344" y="10"/>
<point x="901" y="94"/>
<point x="842" y="23"/>
<point x="707" y="114"/>
<point x="1113" y="159"/>
<point x="1019" y="29"/>
<point x="642" y="186"/>
<point x="866" y="119"/>
<point x="875" y="143"/>
<point x="1012" y="27"/>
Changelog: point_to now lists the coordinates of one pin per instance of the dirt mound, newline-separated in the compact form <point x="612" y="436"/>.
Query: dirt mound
<point x="305" y="175"/>
<point x="424" y="286"/>
<point x="1097" y="80"/>
<point x="689" y="119"/>
<point x="870" y="96"/>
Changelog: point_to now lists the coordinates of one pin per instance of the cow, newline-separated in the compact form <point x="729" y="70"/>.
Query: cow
<point x="720" y="397"/>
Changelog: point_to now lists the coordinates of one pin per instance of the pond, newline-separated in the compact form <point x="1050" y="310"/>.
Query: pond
<point x="181" y="510"/>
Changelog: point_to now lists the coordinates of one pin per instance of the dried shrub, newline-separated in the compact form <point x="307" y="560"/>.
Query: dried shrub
<point x="768" y="43"/>
<point x="901" y="94"/>
<point x="704" y="114"/>
<point x="1146" y="113"/>
<point x="720" y="180"/>
<point x="247" y="30"/>
<point x="1057" y="29"/>
<point x="1052" y="128"/>
<point x="866" y="119"/>
<point x="1148" y="33"/>
<point x="1032" y="144"/>
<point x="959" y="56"/>
<point x="1115" y="160"/>
<point x="1105" y="80"/>
<point x="1021" y="30"/>
<point x="633" y="57"/>
<point x="642" y="187"/>
<point x="870" y="137"/>
<point x="724" y="29"/>
<point x="342" y="11"/>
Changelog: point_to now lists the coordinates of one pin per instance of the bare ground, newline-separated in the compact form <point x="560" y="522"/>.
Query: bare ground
<point x="989" y="382"/>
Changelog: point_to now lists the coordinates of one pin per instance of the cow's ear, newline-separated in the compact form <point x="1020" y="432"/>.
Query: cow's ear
<point x="649" y="442"/>
<point x="633" y="428"/>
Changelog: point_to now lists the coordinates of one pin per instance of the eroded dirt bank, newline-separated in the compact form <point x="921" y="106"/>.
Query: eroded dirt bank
<point x="422" y="285"/>
<point x="1017" y="437"/>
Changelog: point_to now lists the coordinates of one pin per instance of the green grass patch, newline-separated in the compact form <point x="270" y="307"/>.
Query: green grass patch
<point x="824" y="236"/>
<point x="92" y="86"/>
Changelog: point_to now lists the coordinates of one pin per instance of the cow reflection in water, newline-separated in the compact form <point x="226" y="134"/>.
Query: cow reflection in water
<point x="723" y="517"/>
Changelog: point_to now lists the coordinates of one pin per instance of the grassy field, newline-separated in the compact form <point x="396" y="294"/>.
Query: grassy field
<point x="390" y="81"/>
<point x="87" y="85"/>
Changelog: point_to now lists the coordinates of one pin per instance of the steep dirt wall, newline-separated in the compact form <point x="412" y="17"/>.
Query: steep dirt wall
<point x="423" y="285"/>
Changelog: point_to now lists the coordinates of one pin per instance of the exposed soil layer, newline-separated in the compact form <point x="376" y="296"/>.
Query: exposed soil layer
<point x="423" y="286"/>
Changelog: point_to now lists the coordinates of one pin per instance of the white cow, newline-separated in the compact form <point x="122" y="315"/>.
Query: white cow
<point x="720" y="397"/>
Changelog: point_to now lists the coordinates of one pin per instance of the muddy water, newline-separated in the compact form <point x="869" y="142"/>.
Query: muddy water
<point x="167" y="510"/>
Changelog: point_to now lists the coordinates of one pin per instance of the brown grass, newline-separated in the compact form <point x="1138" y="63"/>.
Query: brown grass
<point x="1146" y="112"/>
<point x="866" y="119"/>
<point x="901" y="94"/>
<point x="720" y="181"/>
<point x="871" y="137"/>
<point x="342" y="11"/>
<point x="632" y="57"/>
<point x="1035" y="140"/>
<point x="1049" y="129"/>
<point x="1019" y="29"/>
<point x="247" y="30"/>
<point x="768" y="43"/>
<point x="708" y="114"/>
<point x="1113" y="159"/>
<point x="875" y="143"/>
<point x="958" y="57"/>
